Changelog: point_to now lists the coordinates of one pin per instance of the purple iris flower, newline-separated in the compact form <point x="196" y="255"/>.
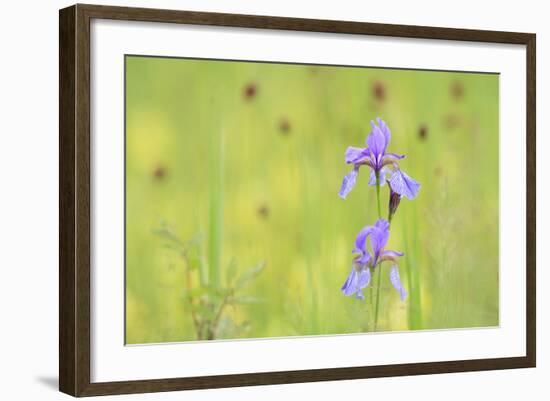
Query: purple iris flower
<point x="367" y="260"/>
<point x="382" y="164"/>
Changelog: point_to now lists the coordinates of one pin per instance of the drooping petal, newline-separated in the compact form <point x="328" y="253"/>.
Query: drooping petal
<point x="379" y="237"/>
<point x="396" y="282"/>
<point x="356" y="281"/>
<point x="355" y="155"/>
<point x="403" y="184"/>
<point x="385" y="130"/>
<point x="389" y="156"/>
<point x="392" y="254"/>
<point x="362" y="282"/>
<point x="350" y="286"/>
<point x="372" y="179"/>
<point x="364" y="278"/>
<point x="384" y="172"/>
<point x="388" y="255"/>
<point x="348" y="182"/>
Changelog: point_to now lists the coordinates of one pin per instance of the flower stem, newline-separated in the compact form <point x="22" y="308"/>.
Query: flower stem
<point x="380" y="266"/>
<point x="377" y="297"/>
<point x="378" y="195"/>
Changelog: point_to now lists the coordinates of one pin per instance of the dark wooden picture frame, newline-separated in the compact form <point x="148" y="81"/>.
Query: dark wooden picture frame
<point x="74" y="199"/>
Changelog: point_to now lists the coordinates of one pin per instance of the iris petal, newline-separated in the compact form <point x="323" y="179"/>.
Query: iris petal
<point x="388" y="156"/>
<point x="385" y="130"/>
<point x="350" y="286"/>
<point x="392" y="254"/>
<point x="403" y="184"/>
<point x="379" y="237"/>
<point x="396" y="282"/>
<point x="382" y="224"/>
<point x="356" y="281"/>
<point x="355" y="155"/>
<point x="364" y="258"/>
<point x="348" y="182"/>
<point x="376" y="142"/>
<point x="364" y="278"/>
<point x="361" y="246"/>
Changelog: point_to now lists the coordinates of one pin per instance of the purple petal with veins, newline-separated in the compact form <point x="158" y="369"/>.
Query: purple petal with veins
<point x="376" y="142"/>
<point x="348" y="182"/>
<point x="396" y="282"/>
<point x="355" y="155"/>
<point x="364" y="278"/>
<point x="350" y="286"/>
<point x="403" y="184"/>
<point x="356" y="281"/>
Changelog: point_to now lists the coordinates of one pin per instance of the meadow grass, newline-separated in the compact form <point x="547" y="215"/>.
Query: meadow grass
<point x="250" y="157"/>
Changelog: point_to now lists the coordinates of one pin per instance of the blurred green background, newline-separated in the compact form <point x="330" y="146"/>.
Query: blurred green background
<point x="246" y="159"/>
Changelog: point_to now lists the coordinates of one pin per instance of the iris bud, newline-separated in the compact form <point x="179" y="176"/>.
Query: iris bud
<point x="395" y="198"/>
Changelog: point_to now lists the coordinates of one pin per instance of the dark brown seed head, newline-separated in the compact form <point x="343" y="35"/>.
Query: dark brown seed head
<point x="263" y="211"/>
<point x="284" y="126"/>
<point x="250" y="91"/>
<point x="379" y="91"/>
<point x="457" y="90"/>
<point x="159" y="173"/>
<point x="423" y="132"/>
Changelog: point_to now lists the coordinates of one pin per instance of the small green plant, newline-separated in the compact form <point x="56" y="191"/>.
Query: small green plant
<point x="207" y="301"/>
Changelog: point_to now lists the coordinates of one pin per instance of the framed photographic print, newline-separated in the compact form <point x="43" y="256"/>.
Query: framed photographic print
<point x="250" y="200"/>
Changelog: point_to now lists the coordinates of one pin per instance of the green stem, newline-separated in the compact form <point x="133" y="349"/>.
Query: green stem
<point x="379" y="267"/>
<point x="377" y="297"/>
<point x="378" y="195"/>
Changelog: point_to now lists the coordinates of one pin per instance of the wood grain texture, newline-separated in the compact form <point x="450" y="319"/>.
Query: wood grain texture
<point x="74" y="199"/>
<point x="531" y="201"/>
<point x="67" y="294"/>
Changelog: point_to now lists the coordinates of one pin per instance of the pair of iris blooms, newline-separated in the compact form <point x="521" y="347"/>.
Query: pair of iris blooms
<point x="384" y="168"/>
